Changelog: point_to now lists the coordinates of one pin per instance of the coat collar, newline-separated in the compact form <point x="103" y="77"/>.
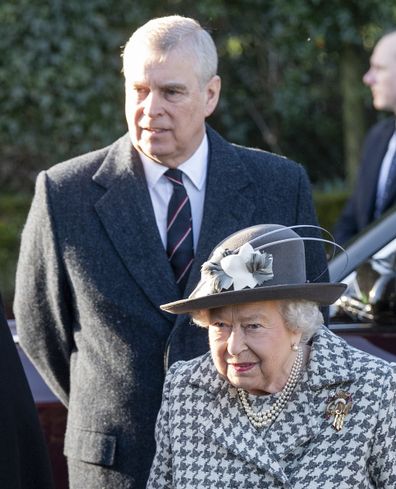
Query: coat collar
<point x="330" y="361"/>
<point x="130" y="223"/>
<point x="229" y="205"/>
<point x="329" y="364"/>
<point x="126" y="212"/>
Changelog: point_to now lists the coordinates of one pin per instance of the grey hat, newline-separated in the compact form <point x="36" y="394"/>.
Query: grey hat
<point x="259" y="263"/>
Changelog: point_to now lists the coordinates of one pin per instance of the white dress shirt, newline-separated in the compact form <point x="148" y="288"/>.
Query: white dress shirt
<point x="194" y="180"/>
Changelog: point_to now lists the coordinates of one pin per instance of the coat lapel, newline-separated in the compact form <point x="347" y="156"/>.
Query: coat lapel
<point x="131" y="225"/>
<point x="126" y="213"/>
<point x="234" y="432"/>
<point x="328" y="368"/>
<point x="228" y="203"/>
<point x="228" y="427"/>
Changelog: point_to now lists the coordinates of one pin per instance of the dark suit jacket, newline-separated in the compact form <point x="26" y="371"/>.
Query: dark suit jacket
<point x="359" y="210"/>
<point x="91" y="276"/>
<point x="24" y="462"/>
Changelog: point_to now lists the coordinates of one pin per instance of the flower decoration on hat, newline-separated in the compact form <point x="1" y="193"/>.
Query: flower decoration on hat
<point x="245" y="269"/>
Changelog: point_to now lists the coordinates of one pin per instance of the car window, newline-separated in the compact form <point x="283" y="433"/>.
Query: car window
<point x="368" y="286"/>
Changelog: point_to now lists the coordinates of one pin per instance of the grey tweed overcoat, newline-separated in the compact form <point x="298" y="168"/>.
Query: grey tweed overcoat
<point x="204" y="439"/>
<point x="91" y="276"/>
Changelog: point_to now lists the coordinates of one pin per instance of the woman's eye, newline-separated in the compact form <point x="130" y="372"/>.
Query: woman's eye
<point x="253" y="326"/>
<point x="219" y="325"/>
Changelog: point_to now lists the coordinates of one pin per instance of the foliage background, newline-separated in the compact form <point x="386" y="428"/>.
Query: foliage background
<point x="291" y="73"/>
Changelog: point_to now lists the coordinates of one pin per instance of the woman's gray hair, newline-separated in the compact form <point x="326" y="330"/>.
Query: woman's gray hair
<point x="299" y="316"/>
<point x="165" y="34"/>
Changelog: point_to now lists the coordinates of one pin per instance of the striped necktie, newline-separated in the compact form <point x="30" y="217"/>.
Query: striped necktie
<point x="180" y="247"/>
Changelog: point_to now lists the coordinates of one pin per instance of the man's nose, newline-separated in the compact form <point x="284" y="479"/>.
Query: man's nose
<point x="368" y="77"/>
<point x="152" y="105"/>
<point x="236" y="342"/>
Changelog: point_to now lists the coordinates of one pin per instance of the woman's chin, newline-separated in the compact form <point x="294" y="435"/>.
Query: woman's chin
<point x="241" y="383"/>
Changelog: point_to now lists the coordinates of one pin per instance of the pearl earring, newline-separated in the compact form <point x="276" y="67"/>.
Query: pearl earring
<point x="294" y="347"/>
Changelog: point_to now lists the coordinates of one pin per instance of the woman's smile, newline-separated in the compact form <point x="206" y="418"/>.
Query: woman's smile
<point x="242" y="367"/>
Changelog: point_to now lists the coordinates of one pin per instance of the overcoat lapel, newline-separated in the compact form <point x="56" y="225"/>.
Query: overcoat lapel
<point x="328" y="368"/>
<point x="264" y="448"/>
<point x="229" y="428"/>
<point x="130" y="223"/>
<point x="238" y="436"/>
<point x="228" y="204"/>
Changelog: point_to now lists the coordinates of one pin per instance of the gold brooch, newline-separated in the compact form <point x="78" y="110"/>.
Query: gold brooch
<point x="339" y="406"/>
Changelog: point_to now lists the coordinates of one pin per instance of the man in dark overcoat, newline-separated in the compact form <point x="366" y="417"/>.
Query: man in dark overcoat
<point x="98" y="249"/>
<point x="375" y="188"/>
<point x="24" y="462"/>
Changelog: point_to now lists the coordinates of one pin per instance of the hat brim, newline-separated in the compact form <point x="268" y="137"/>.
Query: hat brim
<point x="321" y="293"/>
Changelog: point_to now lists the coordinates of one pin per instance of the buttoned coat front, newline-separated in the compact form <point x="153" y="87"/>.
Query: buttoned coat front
<point x="204" y="439"/>
<point x="92" y="274"/>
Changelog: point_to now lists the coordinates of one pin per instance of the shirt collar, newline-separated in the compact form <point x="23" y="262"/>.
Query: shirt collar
<point x="195" y="167"/>
<point x="392" y="140"/>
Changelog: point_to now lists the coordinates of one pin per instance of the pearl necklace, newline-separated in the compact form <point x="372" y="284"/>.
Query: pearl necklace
<point x="264" y="418"/>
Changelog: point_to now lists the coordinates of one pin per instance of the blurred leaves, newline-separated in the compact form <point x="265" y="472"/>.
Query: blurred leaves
<point x="13" y="211"/>
<point x="62" y="90"/>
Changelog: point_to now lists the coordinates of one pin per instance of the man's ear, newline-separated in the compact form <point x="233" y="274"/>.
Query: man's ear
<point x="212" y="91"/>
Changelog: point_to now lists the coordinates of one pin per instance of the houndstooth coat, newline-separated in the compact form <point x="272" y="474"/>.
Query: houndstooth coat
<point x="204" y="439"/>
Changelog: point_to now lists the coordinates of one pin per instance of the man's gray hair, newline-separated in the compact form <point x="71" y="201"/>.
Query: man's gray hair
<point x="164" y="34"/>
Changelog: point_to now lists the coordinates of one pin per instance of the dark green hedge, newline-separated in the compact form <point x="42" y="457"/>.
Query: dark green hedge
<point x="329" y="206"/>
<point x="62" y="90"/>
<point x="13" y="211"/>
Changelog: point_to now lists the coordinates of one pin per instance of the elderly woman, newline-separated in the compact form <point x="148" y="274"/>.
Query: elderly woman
<point x="279" y="401"/>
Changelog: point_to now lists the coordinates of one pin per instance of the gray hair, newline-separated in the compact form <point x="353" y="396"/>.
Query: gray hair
<point x="299" y="316"/>
<point x="164" y="34"/>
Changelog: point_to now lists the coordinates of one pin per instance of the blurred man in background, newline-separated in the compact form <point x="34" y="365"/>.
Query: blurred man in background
<point x="375" y="189"/>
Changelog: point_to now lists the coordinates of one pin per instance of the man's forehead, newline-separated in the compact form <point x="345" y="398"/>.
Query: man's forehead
<point x="166" y="69"/>
<point x="137" y="66"/>
<point x="155" y="79"/>
<point x="385" y="51"/>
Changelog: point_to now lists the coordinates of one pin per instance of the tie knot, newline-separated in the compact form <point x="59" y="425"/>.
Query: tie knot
<point x="174" y="176"/>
